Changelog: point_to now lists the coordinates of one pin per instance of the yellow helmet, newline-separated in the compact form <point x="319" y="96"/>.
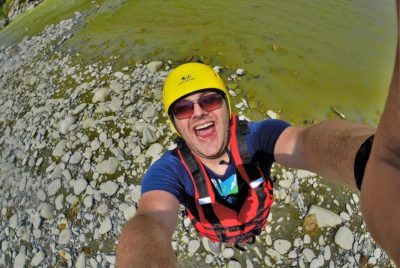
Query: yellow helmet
<point x="189" y="78"/>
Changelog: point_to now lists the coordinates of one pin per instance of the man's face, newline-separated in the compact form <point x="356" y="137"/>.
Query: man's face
<point x="205" y="132"/>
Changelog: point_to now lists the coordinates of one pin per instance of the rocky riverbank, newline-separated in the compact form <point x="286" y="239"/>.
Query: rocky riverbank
<point x="75" y="140"/>
<point x="9" y="10"/>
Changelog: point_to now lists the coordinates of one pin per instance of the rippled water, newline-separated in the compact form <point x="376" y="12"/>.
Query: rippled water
<point x="301" y="57"/>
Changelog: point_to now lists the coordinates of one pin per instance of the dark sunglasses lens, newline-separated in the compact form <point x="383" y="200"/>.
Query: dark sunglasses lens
<point x="210" y="102"/>
<point x="183" y="109"/>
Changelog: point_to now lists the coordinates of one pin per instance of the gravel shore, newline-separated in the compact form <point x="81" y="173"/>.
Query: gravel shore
<point x="75" y="140"/>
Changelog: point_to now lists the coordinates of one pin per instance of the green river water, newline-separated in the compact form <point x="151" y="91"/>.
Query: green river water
<point x="303" y="58"/>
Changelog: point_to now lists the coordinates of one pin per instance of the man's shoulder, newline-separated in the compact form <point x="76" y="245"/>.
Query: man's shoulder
<point x="268" y="124"/>
<point x="169" y="158"/>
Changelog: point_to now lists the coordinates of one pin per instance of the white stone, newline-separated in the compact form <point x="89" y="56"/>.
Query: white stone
<point x="234" y="264"/>
<point x="78" y="109"/>
<point x="249" y="264"/>
<point x="355" y="198"/>
<point x="240" y="72"/>
<point x="46" y="211"/>
<point x="292" y="254"/>
<point x="129" y="212"/>
<point x="209" y="258"/>
<point x="100" y="95"/>
<point x="344" y="238"/>
<point x="59" y="202"/>
<point x="325" y="217"/>
<point x="116" y="87"/>
<point x="274" y="254"/>
<point x="67" y="174"/>
<point x="327" y="253"/>
<point x="75" y="158"/>
<point x="345" y="216"/>
<point x="88" y="201"/>
<point x="301" y="174"/>
<point x="95" y="144"/>
<point x="150" y="111"/>
<point x="308" y="255"/>
<point x="271" y="114"/>
<point x="13" y="221"/>
<point x="53" y="187"/>
<point x="377" y="253"/>
<point x="154" y="150"/>
<point x="228" y="253"/>
<point x="154" y="66"/>
<point x="38" y="258"/>
<point x="282" y="246"/>
<point x="149" y="136"/>
<point x="108" y="166"/>
<point x="109" y="188"/>
<point x="285" y="183"/>
<point x="59" y="149"/>
<point x="20" y="259"/>
<point x="80" y="186"/>
<point x="268" y="240"/>
<point x="66" y="124"/>
<point x="103" y="137"/>
<point x="105" y="226"/>
<point x="89" y="123"/>
<point x="80" y="261"/>
<point x="307" y="239"/>
<point x="37" y="220"/>
<point x="65" y="237"/>
<point x="102" y="209"/>
<point x="193" y="246"/>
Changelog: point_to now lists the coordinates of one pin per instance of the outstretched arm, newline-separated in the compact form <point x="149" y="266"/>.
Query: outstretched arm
<point x="146" y="239"/>
<point x="328" y="149"/>
<point x="380" y="192"/>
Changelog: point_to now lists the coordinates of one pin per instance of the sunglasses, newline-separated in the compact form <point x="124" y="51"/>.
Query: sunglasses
<point x="184" y="109"/>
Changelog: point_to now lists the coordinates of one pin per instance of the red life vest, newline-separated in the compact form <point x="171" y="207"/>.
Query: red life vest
<point x="215" y="220"/>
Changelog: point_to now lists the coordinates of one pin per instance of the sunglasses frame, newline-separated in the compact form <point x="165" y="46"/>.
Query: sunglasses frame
<point x="197" y="101"/>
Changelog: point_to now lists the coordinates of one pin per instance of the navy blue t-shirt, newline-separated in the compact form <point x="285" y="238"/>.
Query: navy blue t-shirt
<point x="169" y="174"/>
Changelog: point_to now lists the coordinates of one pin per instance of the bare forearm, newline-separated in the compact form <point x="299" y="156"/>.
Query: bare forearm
<point x="144" y="243"/>
<point x="331" y="148"/>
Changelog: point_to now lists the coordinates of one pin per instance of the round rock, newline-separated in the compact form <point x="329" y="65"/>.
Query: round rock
<point x="80" y="186"/>
<point x="228" y="253"/>
<point x="282" y="246"/>
<point x="109" y="188"/>
<point x="325" y="217"/>
<point x="46" y="211"/>
<point x="344" y="238"/>
<point x="105" y="226"/>
<point x="193" y="246"/>
<point x="64" y="237"/>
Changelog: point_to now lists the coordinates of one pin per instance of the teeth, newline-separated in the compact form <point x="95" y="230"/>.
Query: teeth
<point x="204" y="126"/>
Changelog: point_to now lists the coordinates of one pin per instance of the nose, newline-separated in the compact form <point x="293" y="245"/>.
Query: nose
<point x="198" y="111"/>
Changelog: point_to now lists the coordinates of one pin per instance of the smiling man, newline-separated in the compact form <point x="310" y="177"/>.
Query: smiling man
<point x="220" y="170"/>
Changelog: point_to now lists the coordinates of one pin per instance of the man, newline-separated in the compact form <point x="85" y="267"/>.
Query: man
<point x="198" y="105"/>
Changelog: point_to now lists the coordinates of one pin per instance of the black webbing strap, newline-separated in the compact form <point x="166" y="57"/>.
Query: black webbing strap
<point x="194" y="169"/>
<point x="242" y="128"/>
<point x="201" y="186"/>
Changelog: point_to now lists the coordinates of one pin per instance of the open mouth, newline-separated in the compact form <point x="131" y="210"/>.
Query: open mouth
<point x="206" y="130"/>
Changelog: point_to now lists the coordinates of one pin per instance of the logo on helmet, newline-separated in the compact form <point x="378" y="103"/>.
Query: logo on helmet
<point x="186" y="78"/>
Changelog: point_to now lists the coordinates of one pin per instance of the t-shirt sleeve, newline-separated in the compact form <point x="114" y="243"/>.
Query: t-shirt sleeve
<point x="264" y="134"/>
<point x="166" y="175"/>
